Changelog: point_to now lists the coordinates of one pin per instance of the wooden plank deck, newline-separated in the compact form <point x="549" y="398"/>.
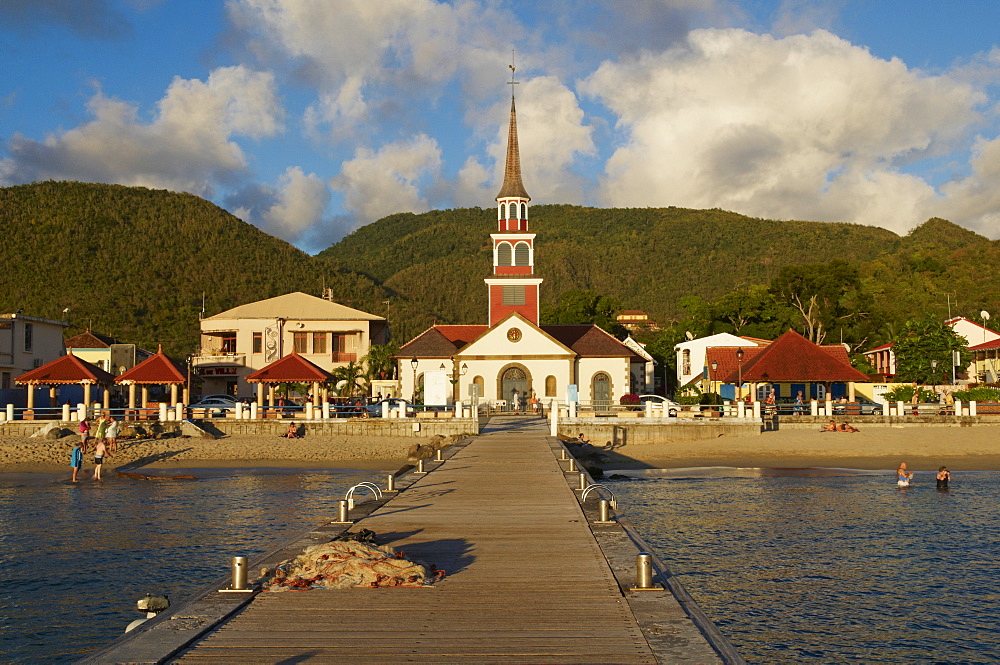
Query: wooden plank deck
<point x="526" y="582"/>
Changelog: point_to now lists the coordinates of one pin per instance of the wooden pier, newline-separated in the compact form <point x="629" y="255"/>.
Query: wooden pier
<point x="529" y="579"/>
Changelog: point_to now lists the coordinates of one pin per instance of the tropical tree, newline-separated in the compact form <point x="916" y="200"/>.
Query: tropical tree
<point x="379" y="361"/>
<point x="350" y="379"/>
<point x="586" y="306"/>
<point x="924" y="351"/>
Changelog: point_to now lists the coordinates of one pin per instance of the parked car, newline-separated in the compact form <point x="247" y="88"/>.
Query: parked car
<point x="865" y="407"/>
<point x="213" y="406"/>
<point x="660" y="403"/>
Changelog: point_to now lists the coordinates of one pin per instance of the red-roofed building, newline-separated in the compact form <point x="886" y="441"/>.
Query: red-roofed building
<point x="986" y="361"/>
<point x="976" y="335"/>
<point x="514" y="354"/>
<point x="789" y="365"/>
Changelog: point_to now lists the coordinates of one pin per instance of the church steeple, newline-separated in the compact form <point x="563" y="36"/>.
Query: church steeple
<point x="513" y="287"/>
<point x="512" y="185"/>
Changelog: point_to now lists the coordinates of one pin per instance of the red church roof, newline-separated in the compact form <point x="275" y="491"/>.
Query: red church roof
<point x="792" y="357"/>
<point x="291" y="368"/>
<point x="158" y="369"/>
<point x="64" y="370"/>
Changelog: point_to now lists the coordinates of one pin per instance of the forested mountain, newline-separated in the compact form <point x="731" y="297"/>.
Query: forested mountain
<point x="134" y="263"/>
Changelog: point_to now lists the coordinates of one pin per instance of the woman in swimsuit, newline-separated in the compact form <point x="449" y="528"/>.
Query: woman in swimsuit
<point x="943" y="476"/>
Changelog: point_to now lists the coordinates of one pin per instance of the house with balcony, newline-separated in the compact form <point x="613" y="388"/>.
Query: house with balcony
<point x="242" y="340"/>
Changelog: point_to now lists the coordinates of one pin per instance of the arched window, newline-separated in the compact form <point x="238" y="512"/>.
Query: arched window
<point x="550" y="386"/>
<point x="524" y="211"/>
<point x="522" y="254"/>
<point x="513" y="211"/>
<point x="480" y="384"/>
<point x="504" y="254"/>
<point x="600" y="388"/>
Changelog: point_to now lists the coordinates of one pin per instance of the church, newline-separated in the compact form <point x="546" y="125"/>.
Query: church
<point x="514" y="354"/>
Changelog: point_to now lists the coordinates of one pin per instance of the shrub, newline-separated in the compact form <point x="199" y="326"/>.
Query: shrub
<point x="629" y="399"/>
<point x="979" y="394"/>
<point x="905" y="394"/>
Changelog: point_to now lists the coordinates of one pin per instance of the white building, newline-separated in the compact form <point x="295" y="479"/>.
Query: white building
<point x="26" y="343"/>
<point x="513" y="352"/>
<point x="242" y="340"/>
<point x="691" y="354"/>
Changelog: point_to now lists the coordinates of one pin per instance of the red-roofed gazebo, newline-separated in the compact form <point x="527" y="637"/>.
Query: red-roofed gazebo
<point x="157" y="370"/>
<point x="292" y="368"/>
<point x="65" y="370"/>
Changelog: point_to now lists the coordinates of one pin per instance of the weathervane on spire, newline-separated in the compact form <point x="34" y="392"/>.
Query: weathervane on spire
<point x="512" y="82"/>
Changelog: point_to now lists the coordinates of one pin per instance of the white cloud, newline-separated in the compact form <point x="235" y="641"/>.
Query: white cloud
<point x="376" y="184"/>
<point x="806" y="127"/>
<point x="187" y="147"/>
<point x="301" y="202"/>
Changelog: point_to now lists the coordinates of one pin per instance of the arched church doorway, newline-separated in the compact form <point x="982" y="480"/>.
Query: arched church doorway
<point x="511" y="379"/>
<point x="601" y="390"/>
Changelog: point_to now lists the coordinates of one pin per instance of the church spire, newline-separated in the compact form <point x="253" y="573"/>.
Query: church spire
<point x="512" y="185"/>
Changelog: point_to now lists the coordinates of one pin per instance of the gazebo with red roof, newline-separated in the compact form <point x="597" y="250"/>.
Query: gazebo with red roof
<point x="157" y="370"/>
<point x="65" y="370"/>
<point x="790" y="359"/>
<point x="292" y="368"/>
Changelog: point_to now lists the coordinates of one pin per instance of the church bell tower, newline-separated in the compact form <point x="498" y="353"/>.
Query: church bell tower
<point x="513" y="287"/>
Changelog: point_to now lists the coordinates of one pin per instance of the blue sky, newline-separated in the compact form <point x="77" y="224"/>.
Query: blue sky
<point x="312" y="118"/>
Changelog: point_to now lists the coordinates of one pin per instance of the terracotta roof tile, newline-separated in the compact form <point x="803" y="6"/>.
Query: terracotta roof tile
<point x="588" y="340"/>
<point x="792" y="357"/>
<point x="158" y="369"/>
<point x="66" y="370"/>
<point x="89" y="340"/>
<point x="292" y="367"/>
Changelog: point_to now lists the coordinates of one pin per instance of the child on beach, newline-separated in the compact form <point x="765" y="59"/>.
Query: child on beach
<point x="292" y="432"/>
<point x="76" y="460"/>
<point x="100" y="452"/>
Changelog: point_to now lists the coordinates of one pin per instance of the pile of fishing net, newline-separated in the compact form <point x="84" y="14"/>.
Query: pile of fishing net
<point x="339" y="564"/>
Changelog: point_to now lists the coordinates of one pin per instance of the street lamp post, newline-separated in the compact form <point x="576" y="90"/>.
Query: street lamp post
<point x="413" y="395"/>
<point x="711" y="385"/>
<point x="739" y="365"/>
<point x="934" y="371"/>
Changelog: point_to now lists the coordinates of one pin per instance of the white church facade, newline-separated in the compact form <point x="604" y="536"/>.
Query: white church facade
<point x="513" y="352"/>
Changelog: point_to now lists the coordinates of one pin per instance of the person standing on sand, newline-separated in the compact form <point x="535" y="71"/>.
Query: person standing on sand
<point x="112" y="434"/>
<point x="102" y="429"/>
<point x="943" y="476"/>
<point x="903" y="477"/>
<point x="100" y="452"/>
<point x="84" y="430"/>
<point x="75" y="460"/>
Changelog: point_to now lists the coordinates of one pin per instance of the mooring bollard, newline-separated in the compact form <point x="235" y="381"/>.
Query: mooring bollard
<point x="420" y="466"/>
<point x="583" y="481"/>
<point x="604" y="514"/>
<point x="562" y="453"/>
<point x="239" y="569"/>
<point x="643" y="571"/>
<point x="439" y="456"/>
<point x="572" y="465"/>
<point x="343" y="512"/>
<point x="390" y="483"/>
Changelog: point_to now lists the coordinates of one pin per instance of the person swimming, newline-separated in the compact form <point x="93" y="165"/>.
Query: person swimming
<point x="903" y="476"/>
<point x="943" y="476"/>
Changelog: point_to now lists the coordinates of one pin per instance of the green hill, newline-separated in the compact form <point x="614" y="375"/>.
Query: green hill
<point x="135" y="263"/>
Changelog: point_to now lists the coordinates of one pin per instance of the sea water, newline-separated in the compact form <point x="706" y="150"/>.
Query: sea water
<point x="827" y="567"/>
<point x="75" y="558"/>
<point x="832" y="566"/>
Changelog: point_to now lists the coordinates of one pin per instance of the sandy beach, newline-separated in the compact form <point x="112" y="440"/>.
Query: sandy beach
<point x="21" y="454"/>
<point x="923" y="448"/>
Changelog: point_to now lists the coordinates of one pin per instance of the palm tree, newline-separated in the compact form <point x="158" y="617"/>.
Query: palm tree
<point x="379" y="361"/>
<point x="353" y="377"/>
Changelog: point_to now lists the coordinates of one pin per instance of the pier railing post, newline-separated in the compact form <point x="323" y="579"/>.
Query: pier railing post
<point x="554" y="419"/>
